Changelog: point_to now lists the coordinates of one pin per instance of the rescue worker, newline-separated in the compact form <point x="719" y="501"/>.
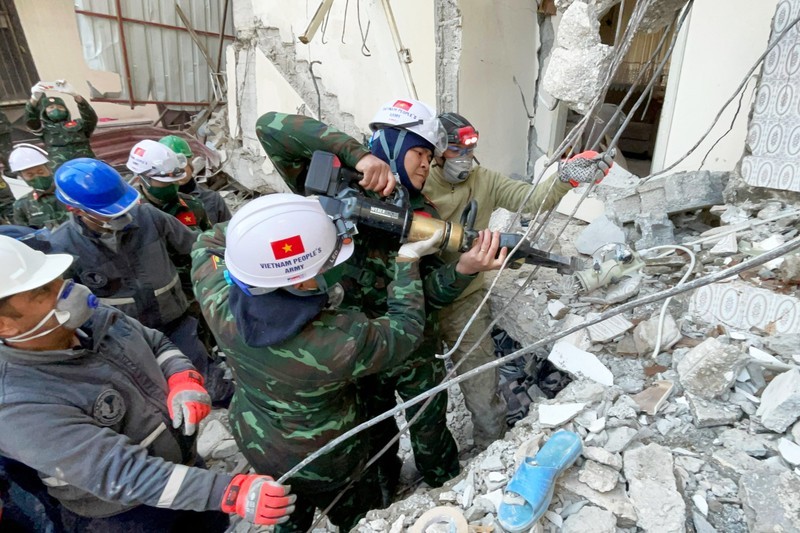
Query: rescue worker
<point x="122" y="253"/>
<point x="48" y="117"/>
<point x="6" y="198"/>
<point x="118" y="405"/>
<point x="296" y="361"/>
<point x="40" y="208"/>
<point x="407" y="133"/>
<point x="453" y="182"/>
<point x="158" y="170"/>
<point x="215" y="207"/>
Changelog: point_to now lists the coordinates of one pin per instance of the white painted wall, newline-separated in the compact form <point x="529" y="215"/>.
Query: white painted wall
<point x="362" y="84"/>
<point x="499" y="42"/>
<point x="723" y="38"/>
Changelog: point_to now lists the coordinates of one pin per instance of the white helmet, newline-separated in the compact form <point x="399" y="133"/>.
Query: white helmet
<point x="154" y="160"/>
<point x="25" y="156"/>
<point x="23" y="269"/>
<point x="281" y="239"/>
<point x="415" y="116"/>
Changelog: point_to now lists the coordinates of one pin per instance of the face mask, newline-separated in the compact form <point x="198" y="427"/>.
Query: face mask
<point x="74" y="306"/>
<point x="41" y="183"/>
<point x="164" y="194"/>
<point x="188" y="187"/>
<point x="112" y="225"/>
<point x="57" y="115"/>
<point x="456" y="170"/>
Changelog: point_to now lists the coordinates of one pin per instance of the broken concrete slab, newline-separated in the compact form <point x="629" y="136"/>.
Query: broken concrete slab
<point x="579" y="27"/>
<point x="615" y="500"/>
<point x="555" y="415"/>
<point x="645" y="334"/>
<point x="557" y="309"/>
<point x="675" y="193"/>
<point x="598" y="233"/>
<point x="652" y="489"/>
<point x="619" y="439"/>
<point x="780" y="402"/>
<point x="588" y="210"/>
<point x="652" y="398"/>
<point x="590" y="519"/>
<point x="789" y="451"/>
<point x="599" y="477"/>
<point x="742" y="306"/>
<point x="710" y="368"/>
<point x="770" y="499"/>
<point x="656" y="229"/>
<point x="212" y="435"/>
<point x="582" y="390"/>
<point x="580" y="339"/>
<point x="736" y="439"/>
<point x="710" y="413"/>
<point x="728" y="245"/>
<point x="608" y="330"/>
<point x="602" y="456"/>
<point x="580" y="363"/>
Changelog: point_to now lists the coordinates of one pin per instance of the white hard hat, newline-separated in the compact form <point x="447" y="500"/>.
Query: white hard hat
<point x="25" y="156"/>
<point x="157" y="161"/>
<point x="414" y="116"/>
<point x="23" y="269"/>
<point x="282" y="239"/>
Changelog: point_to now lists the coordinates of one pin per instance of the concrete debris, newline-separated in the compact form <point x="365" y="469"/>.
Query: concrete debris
<point x="551" y="416"/>
<point x="619" y="439"/>
<point x="608" y="330"/>
<point x="615" y="500"/>
<point x="652" y="489"/>
<point x="652" y="398"/>
<point x="599" y="477"/>
<point x="588" y="210"/>
<point x="580" y="363"/>
<point x="557" y="309"/>
<point x="598" y="233"/>
<point x="214" y="435"/>
<point x="602" y="456"/>
<point x="780" y="402"/>
<point x="789" y="451"/>
<point x="645" y="334"/>
<point x="709" y="413"/>
<point x="578" y="65"/>
<point x="655" y="229"/>
<point x="728" y="245"/>
<point x="660" y="14"/>
<point x="590" y="519"/>
<point x="711" y="368"/>
<point x="600" y="6"/>
<point x="739" y="440"/>
<point x="770" y="498"/>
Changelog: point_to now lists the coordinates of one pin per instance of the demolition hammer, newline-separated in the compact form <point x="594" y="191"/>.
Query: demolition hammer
<point x="348" y="205"/>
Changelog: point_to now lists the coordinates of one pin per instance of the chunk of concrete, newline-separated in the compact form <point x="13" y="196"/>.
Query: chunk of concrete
<point x="557" y="309"/>
<point x="614" y="500"/>
<point x="212" y="435"/>
<point x="736" y="439"/>
<point x="614" y="460"/>
<point x="579" y="27"/>
<point x="619" y="438"/>
<point x="580" y="338"/>
<point x="609" y="329"/>
<point x="551" y="416"/>
<point x="710" y="368"/>
<point x="780" y="402"/>
<point x="710" y="413"/>
<point x="652" y="398"/>
<point x="656" y="229"/>
<point x="598" y="233"/>
<point x="590" y="519"/>
<point x="579" y="363"/>
<point x="582" y="390"/>
<point x="652" y="489"/>
<point x="588" y="210"/>
<point x="645" y="334"/>
<point x="770" y="498"/>
<point x="789" y="451"/>
<point x="728" y="245"/>
<point x="601" y="478"/>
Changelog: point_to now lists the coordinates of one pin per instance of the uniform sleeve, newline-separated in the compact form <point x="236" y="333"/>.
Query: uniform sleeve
<point x="88" y="115"/>
<point x="208" y="281"/>
<point x="221" y="210"/>
<point x="387" y="341"/>
<point x="20" y="216"/>
<point x="290" y="140"/>
<point x="33" y="116"/>
<point x="509" y="193"/>
<point x="103" y="462"/>
<point x="178" y="236"/>
<point x="441" y="282"/>
<point x="169" y="358"/>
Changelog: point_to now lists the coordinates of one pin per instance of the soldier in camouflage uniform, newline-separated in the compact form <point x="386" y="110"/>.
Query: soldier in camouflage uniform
<point x="49" y="118"/>
<point x="289" y="141"/>
<point x="40" y="208"/>
<point x="6" y="198"/>
<point x="295" y="360"/>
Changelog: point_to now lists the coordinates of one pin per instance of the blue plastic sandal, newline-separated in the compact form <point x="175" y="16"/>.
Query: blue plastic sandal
<point x="528" y="494"/>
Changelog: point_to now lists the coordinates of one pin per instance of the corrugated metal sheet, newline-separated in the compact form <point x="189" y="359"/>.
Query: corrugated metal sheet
<point x="164" y="63"/>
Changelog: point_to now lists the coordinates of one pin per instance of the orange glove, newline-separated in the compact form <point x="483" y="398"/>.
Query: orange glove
<point x="188" y="402"/>
<point x="585" y="167"/>
<point x="258" y="499"/>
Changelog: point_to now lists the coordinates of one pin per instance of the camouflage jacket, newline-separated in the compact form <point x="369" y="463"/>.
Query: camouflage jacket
<point x="188" y="210"/>
<point x="39" y="211"/>
<point x="215" y="206"/>
<point x="294" y="396"/>
<point x="63" y="140"/>
<point x="289" y="141"/>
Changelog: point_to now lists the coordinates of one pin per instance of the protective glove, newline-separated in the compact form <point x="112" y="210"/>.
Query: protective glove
<point x="37" y="91"/>
<point x="585" y="167"/>
<point x="63" y="87"/>
<point x="188" y="402"/>
<point x="416" y="250"/>
<point x="258" y="499"/>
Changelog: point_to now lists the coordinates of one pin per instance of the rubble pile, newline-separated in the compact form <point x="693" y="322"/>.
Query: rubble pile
<point x="704" y="435"/>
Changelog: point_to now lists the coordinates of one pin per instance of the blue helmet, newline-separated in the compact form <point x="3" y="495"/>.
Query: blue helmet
<point x="94" y="186"/>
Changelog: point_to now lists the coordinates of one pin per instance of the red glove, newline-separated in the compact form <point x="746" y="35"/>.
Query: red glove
<point x="188" y="402"/>
<point x="585" y="167"/>
<point x="258" y="499"/>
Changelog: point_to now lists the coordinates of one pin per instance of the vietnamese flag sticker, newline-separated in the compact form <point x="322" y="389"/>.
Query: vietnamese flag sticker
<point x="402" y="104"/>
<point x="287" y="247"/>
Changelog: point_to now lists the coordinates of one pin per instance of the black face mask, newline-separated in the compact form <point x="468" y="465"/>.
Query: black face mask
<point x="189" y="187"/>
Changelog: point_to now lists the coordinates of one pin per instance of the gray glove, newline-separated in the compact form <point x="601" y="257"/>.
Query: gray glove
<point x="585" y="167"/>
<point x="416" y="250"/>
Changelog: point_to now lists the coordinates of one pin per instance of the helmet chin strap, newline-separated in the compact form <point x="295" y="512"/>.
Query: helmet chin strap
<point x="394" y="153"/>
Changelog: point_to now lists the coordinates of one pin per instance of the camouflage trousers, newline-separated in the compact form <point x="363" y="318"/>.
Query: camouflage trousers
<point x="435" y="450"/>
<point x="481" y="394"/>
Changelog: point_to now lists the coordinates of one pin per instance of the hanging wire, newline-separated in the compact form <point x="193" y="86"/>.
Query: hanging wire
<point x="344" y="23"/>
<point x="364" y="34"/>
